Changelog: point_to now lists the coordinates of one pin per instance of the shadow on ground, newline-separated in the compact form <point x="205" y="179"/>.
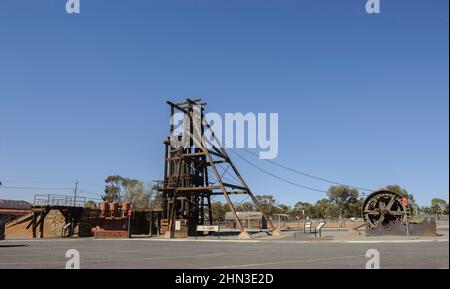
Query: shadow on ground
<point x="13" y="246"/>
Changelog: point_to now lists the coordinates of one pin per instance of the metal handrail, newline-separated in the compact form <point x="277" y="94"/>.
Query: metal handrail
<point x="59" y="200"/>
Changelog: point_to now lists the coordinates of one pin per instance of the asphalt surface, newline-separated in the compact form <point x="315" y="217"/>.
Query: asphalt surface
<point x="135" y="253"/>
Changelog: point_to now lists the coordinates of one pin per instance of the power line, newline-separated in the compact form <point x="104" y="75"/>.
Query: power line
<point x="278" y="177"/>
<point x="89" y="193"/>
<point x="88" y="198"/>
<point x="275" y="176"/>
<point x="241" y="202"/>
<point x="297" y="171"/>
<point x="231" y="175"/>
<point x="34" y="188"/>
<point x="11" y="179"/>
<point x="40" y="180"/>
<point x="36" y="180"/>
<point x="309" y="175"/>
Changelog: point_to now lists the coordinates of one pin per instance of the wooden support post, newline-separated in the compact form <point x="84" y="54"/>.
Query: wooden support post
<point x="171" y="226"/>
<point x="210" y="213"/>
<point x="158" y="223"/>
<point x="41" y="224"/>
<point x="150" y="233"/>
<point x="202" y="209"/>
<point x="33" y="224"/>
<point x="275" y="231"/>
<point x="223" y="153"/>
<point x="243" y="234"/>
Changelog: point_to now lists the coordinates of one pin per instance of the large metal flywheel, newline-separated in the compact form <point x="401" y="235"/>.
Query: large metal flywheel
<point x="384" y="207"/>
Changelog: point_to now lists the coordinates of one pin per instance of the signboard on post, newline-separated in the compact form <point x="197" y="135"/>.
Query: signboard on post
<point x="207" y="229"/>
<point x="201" y="228"/>
<point x="404" y="201"/>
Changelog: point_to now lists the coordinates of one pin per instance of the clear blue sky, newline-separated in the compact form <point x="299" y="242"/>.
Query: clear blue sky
<point x="362" y="99"/>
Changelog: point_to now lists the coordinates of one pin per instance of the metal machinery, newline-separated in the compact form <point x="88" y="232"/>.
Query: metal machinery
<point x="386" y="213"/>
<point x="186" y="188"/>
<point x="114" y="220"/>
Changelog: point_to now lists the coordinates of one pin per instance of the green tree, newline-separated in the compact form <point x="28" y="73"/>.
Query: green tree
<point x="138" y="193"/>
<point x="312" y="211"/>
<point x="114" y="189"/>
<point x="244" y="207"/>
<point x="156" y="196"/>
<point x="425" y="210"/>
<point x="90" y="204"/>
<point x="345" y="198"/>
<point x="157" y="200"/>
<point x="218" y="211"/>
<point x="331" y="211"/>
<point x="119" y="189"/>
<point x="323" y="209"/>
<point x="284" y="209"/>
<point x="301" y="209"/>
<point x="404" y="193"/>
<point x="355" y="208"/>
<point x="268" y="204"/>
<point x="438" y="206"/>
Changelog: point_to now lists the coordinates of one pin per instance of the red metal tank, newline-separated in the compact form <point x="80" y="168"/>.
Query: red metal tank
<point x="124" y="208"/>
<point x="113" y="208"/>
<point x="104" y="208"/>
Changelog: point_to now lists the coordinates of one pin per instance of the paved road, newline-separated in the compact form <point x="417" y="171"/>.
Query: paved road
<point x="200" y="254"/>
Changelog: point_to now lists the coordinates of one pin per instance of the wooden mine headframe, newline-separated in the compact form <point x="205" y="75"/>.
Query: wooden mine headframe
<point x="186" y="187"/>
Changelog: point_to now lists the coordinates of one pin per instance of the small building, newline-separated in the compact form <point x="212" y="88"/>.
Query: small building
<point x="250" y="220"/>
<point x="12" y="208"/>
<point x="146" y="221"/>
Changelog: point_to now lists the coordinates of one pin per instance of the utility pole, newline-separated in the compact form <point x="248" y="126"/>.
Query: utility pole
<point x="75" y="194"/>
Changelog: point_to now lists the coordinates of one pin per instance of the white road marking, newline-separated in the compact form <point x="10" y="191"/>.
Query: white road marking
<point x="243" y="241"/>
<point x="288" y="262"/>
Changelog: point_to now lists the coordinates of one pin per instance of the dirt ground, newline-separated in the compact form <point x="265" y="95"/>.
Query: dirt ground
<point x="53" y="226"/>
<point x="329" y="224"/>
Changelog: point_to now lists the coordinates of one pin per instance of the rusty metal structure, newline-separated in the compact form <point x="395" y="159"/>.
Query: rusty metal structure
<point x="70" y="208"/>
<point x="385" y="213"/>
<point x="146" y="221"/>
<point x="114" y="220"/>
<point x="187" y="187"/>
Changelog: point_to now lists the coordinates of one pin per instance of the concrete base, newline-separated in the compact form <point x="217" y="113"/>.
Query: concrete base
<point x="353" y="232"/>
<point x="168" y="235"/>
<point x="276" y="233"/>
<point x="244" y="236"/>
<point x="105" y="234"/>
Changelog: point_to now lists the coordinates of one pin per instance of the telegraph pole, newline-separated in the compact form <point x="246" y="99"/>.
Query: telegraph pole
<point x="75" y="194"/>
